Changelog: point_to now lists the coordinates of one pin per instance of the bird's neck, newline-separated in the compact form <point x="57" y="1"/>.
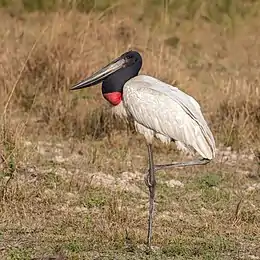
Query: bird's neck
<point x="112" y="86"/>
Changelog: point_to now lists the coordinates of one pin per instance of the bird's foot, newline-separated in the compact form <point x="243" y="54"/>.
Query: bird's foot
<point x="149" y="180"/>
<point x="146" y="179"/>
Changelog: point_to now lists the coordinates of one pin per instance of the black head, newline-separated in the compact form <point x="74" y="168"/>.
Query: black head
<point x="116" y="81"/>
<point x="115" y="73"/>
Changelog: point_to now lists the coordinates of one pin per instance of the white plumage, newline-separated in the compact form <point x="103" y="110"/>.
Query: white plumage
<point x="162" y="111"/>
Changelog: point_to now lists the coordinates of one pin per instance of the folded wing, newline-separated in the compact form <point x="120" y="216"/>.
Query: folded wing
<point x="170" y="112"/>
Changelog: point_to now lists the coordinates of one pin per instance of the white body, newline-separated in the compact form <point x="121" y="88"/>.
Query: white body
<point x="163" y="111"/>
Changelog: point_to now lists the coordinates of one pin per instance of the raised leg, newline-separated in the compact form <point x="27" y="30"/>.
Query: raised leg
<point x="181" y="164"/>
<point x="150" y="182"/>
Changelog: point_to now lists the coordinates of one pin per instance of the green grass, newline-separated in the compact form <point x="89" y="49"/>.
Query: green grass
<point x="199" y="248"/>
<point x="19" y="254"/>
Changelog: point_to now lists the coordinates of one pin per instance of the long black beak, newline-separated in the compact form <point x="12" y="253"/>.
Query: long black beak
<point x="100" y="75"/>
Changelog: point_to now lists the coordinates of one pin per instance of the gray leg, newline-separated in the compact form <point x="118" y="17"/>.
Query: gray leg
<point x="181" y="164"/>
<point x="150" y="182"/>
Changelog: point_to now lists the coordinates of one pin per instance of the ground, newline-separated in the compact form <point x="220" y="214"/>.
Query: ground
<point x="67" y="205"/>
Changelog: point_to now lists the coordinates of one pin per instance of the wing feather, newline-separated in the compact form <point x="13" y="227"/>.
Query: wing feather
<point x="170" y="112"/>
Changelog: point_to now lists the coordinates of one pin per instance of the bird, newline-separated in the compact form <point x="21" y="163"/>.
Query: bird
<point x="159" y="110"/>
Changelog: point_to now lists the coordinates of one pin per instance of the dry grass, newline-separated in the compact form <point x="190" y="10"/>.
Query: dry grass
<point x="225" y="83"/>
<point x="51" y="207"/>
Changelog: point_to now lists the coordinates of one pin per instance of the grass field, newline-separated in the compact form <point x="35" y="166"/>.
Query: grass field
<point x="71" y="175"/>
